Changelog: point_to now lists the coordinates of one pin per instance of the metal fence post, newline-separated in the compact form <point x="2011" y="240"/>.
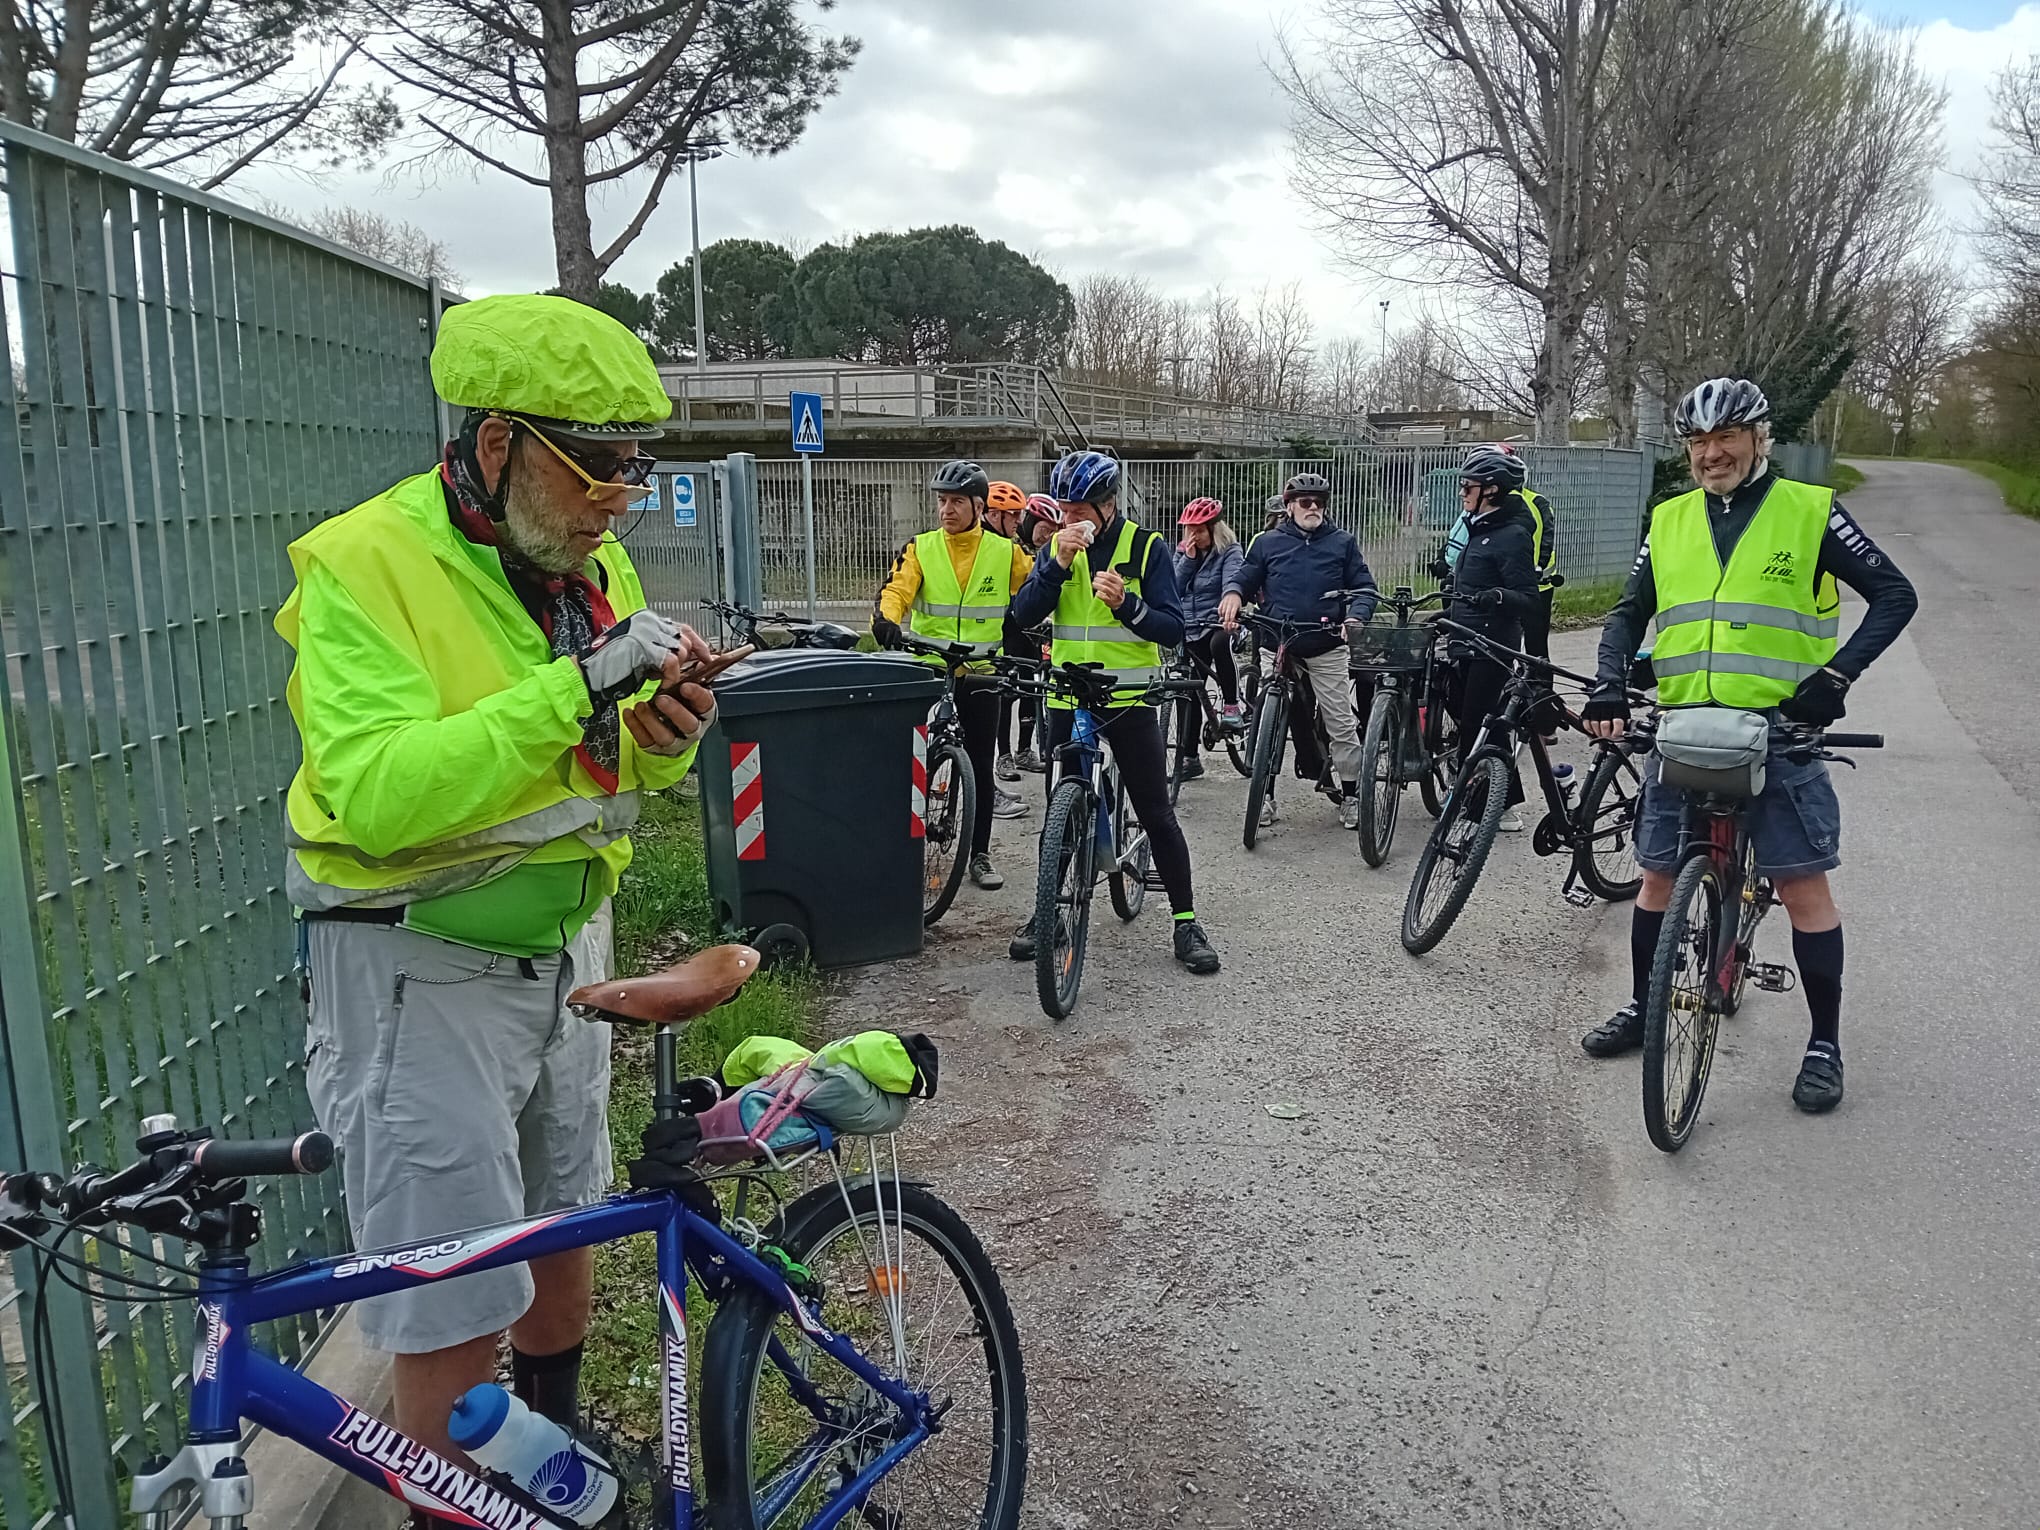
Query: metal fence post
<point x="743" y="547"/>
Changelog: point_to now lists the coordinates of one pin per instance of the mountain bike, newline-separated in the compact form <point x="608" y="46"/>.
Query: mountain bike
<point x="1279" y="692"/>
<point x="1406" y="724"/>
<point x="1193" y="711"/>
<point x="1088" y="828"/>
<point x="843" y="1373"/>
<point x="1706" y="949"/>
<point x="1596" y="831"/>
<point x="763" y="628"/>
<point x="949" y="813"/>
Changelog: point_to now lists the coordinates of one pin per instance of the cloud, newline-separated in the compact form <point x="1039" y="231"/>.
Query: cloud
<point x="1966" y="61"/>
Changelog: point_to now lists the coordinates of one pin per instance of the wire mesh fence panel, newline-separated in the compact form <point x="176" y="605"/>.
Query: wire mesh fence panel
<point x="675" y="543"/>
<point x="187" y="388"/>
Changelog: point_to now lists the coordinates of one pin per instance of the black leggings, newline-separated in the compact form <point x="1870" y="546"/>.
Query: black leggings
<point x="1537" y="627"/>
<point x="977" y="708"/>
<point x="1478" y="686"/>
<point x="1211" y="654"/>
<point x="1135" y="734"/>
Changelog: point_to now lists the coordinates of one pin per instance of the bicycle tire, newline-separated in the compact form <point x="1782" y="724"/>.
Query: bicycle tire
<point x="737" y="1354"/>
<point x="946" y="834"/>
<point x="1175" y="713"/>
<point x="1435" y="784"/>
<point x="1670" y="1130"/>
<point x="1069" y="843"/>
<point x="1486" y="785"/>
<point x="1128" y="886"/>
<point x="1615" y="771"/>
<point x="1269" y="723"/>
<point x="1380" y="781"/>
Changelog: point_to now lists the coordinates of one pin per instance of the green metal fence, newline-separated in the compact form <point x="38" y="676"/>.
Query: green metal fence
<point x="188" y="387"/>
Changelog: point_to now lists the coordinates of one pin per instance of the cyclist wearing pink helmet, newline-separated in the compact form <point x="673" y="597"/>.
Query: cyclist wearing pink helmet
<point x="1207" y="559"/>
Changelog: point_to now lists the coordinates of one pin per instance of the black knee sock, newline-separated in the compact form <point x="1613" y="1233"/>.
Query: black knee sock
<point x="1643" y="933"/>
<point x="1819" y="955"/>
<point x="549" y="1384"/>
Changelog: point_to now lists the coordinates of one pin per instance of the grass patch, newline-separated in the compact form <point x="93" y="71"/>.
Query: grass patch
<point x="1844" y="479"/>
<point x="1585" y="604"/>
<point x="2020" y="486"/>
<point x="662" y="914"/>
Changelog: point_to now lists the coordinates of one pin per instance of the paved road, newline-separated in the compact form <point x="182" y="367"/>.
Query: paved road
<point x="1465" y="1290"/>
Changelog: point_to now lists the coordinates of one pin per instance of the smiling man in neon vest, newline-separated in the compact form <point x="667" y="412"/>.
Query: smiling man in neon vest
<point x="482" y="696"/>
<point x="1740" y="577"/>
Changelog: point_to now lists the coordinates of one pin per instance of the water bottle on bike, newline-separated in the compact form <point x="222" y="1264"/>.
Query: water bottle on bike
<point x="545" y="1460"/>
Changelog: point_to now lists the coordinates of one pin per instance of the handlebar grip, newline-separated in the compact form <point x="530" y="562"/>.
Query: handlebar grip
<point x="310" y="1153"/>
<point x="1852" y="740"/>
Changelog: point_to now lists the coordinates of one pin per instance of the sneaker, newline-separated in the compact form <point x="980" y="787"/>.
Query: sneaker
<point x="1512" y="822"/>
<point x="1193" y="768"/>
<point x="1021" y="946"/>
<point x="1621" y="1032"/>
<point x="1267" y="812"/>
<point x="1819" y="1085"/>
<point x="1233" y="718"/>
<point x="1028" y="760"/>
<point x="1007" y="804"/>
<point x="1349" y="811"/>
<point x="985" y="874"/>
<point x="1193" y="950"/>
<point x="1005" y="769"/>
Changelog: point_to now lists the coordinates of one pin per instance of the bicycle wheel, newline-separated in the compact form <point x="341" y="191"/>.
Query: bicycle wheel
<point x="1454" y="854"/>
<point x="1128" y="884"/>
<point x="1174" y="714"/>
<point x="946" y="822"/>
<point x="1604" y="827"/>
<point x="1682" y="1015"/>
<point x="1269" y="723"/>
<point x="1440" y="755"/>
<point x="1062" y="897"/>
<point x="784" y="1425"/>
<point x="1380" y="781"/>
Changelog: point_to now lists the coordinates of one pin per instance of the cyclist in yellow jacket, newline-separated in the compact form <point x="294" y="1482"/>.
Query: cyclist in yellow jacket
<point x="482" y="696"/>
<point x="953" y="584"/>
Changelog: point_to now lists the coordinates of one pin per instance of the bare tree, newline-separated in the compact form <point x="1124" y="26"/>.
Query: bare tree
<point x="202" y="87"/>
<point x="604" y="94"/>
<point x="2010" y="182"/>
<point x="1416" y="376"/>
<point x="1909" y="333"/>
<point x="1126" y="335"/>
<point x="389" y="240"/>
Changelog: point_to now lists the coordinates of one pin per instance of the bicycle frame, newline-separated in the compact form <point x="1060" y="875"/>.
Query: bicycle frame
<point x="232" y="1381"/>
<point x="1083" y="759"/>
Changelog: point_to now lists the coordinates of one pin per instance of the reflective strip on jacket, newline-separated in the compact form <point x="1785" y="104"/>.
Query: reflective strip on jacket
<point x="439" y="733"/>
<point x="1087" y="631"/>
<point x="1747" y="634"/>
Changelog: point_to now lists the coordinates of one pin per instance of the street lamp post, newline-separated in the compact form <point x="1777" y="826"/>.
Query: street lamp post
<point x="1384" y="334"/>
<point x="694" y="158"/>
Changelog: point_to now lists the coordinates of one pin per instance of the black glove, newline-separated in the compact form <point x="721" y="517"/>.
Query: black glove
<point x="1440" y="569"/>
<point x="1818" y="701"/>
<point x="1484" y="600"/>
<point x="1609" y="704"/>
<point x="623" y="659"/>
<point x="887" y="632"/>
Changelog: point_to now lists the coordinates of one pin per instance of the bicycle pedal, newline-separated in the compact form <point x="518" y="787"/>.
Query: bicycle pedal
<point x="1153" y="882"/>
<point x="1773" y="977"/>
<point x="1577" y="895"/>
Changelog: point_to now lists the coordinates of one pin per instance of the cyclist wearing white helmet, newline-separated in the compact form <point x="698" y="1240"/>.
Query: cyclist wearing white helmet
<point x="1774" y="549"/>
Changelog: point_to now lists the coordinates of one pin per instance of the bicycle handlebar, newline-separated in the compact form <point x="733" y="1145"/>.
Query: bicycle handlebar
<point x="218" y="1159"/>
<point x="1509" y="655"/>
<point x="1852" y="740"/>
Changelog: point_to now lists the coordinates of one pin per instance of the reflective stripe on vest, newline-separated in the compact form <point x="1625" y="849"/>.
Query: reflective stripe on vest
<point x="1746" y="634"/>
<point x="946" y="612"/>
<point x="1087" y="631"/>
<point x="1540" y="518"/>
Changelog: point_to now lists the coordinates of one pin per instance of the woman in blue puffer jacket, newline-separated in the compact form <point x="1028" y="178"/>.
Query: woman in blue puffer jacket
<point x="1206" y="559"/>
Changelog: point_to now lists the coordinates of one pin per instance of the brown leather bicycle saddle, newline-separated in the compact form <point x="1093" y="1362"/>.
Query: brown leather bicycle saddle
<point x="680" y="993"/>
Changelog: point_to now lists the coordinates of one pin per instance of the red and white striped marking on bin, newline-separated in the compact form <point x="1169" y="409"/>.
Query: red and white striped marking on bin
<point x="747" y="784"/>
<point x="917" y="826"/>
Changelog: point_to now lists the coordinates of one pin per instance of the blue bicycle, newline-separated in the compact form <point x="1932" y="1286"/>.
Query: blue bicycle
<point x="861" y="1363"/>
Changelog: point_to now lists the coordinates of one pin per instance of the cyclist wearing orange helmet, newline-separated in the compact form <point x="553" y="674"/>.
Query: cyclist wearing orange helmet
<point x="1207" y="559"/>
<point x="1004" y="503"/>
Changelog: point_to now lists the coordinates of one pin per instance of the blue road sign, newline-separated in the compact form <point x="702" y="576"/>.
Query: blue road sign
<point x="683" y="499"/>
<point x="805" y="411"/>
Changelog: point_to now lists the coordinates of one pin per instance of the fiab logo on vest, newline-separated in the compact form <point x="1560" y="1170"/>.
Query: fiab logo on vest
<point x="1779" y="569"/>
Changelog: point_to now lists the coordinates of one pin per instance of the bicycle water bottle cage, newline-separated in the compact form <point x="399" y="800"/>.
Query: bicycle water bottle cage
<point x="1719" y="750"/>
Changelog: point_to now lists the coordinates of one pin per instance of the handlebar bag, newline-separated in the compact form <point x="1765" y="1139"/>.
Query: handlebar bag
<point x="1714" y="749"/>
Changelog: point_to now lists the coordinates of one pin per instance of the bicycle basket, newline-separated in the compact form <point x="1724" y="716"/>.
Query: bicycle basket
<point x="1389" y="645"/>
<point x="1713" y="749"/>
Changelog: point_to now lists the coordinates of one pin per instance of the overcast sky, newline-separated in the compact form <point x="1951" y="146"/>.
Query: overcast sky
<point x="1140" y="136"/>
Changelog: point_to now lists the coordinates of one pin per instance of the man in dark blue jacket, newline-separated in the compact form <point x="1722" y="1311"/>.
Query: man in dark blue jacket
<point x="1288" y="571"/>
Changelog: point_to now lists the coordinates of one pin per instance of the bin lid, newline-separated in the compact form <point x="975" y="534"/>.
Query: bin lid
<point x="791" y="679"/>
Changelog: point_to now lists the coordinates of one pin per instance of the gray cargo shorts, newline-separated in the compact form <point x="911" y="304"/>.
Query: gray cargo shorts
<point x="461" y="1095"/>
<point x="1795" y="825"/>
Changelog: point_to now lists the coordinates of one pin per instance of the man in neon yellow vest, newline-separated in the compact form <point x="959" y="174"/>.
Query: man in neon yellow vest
<point x="482" y="696"/>
<point x="954" y="585"/>
<point x="1740" y="577"/>
<point x="1110" y="586"/>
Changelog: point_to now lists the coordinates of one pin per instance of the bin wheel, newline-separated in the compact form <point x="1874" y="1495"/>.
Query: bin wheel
<point x="782" y="945"/>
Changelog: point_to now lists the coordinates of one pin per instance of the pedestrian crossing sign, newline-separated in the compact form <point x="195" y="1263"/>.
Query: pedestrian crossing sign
<point x="805" y="412"/>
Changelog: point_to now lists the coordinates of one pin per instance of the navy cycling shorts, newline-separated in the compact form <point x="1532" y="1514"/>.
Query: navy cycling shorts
<point x="1796" y="825"/>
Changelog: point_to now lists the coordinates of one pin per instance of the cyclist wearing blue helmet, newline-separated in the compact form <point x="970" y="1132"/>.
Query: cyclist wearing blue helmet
<point x="1110" y="586"/>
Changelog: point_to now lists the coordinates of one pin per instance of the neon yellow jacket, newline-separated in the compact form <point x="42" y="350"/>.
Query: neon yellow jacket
<point x="439" y="734"/>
